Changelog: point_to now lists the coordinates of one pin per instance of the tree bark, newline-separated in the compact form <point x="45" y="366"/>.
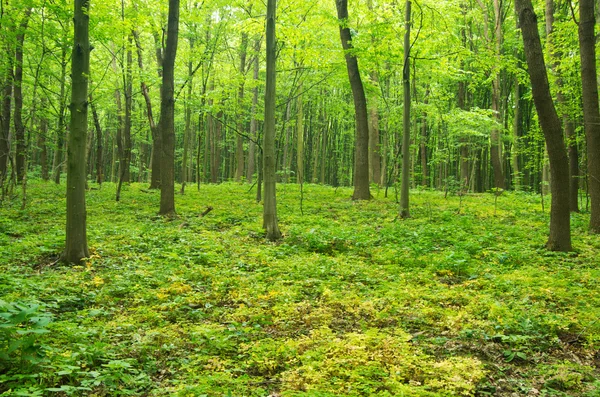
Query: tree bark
<point x="61" y="132"/>
<point x="155" y="154"/>
<point x="99" y="137"/>
<point x="42" y="146"/>
<point x="404" y="188"/>
<point x="300" y="140"/>
<point x="591" y="112"/>
<point x="167" y="115"/>
<point x="187" y="132"/>
<point x="76" y="247"/>
<point x="270" y="221"/>
<point x="253" y="121"/>
<point x="560" y="227"/>
<point x="239" y="149"/>
<point x="5" y="121"/>
<point x="21" y="150"/>
<point x="361" y="155"/>
<point x="496" y="136"/>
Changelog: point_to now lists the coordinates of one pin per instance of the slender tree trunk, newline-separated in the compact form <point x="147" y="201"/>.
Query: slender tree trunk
<point x="270" y="222"/>
<point x="185" y="174"/>
<point x="591" y="111"/>
<point x="516" y="133"/>
<point x="155" y="153"/>
<point x="21" y="151"/>
<point x="560" y="227"/>
<point x="76" y="247"/>
<point x="253" y="121"/>
<point x="42" y="144"/>
<point x="404" y="188"/>
<point x="287" y="142"/>
<point x="127" y="146"/>
<point x="464" y="142"/>
<point x="300" y="140"/>
<point x="167" y="115"/>
<point x="239" y="149"/>
<point x="7" y="91"/>
<point x="374" y="145"/>
<point x="61" y="131"/>
<point x="361" y="155"/>
<point x="99" y="168"/>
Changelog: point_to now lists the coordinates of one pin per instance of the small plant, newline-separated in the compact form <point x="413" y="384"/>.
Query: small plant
<point x="20" y="326"/>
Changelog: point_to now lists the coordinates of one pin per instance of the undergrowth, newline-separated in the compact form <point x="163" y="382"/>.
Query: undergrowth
<point x="353" y="301"/>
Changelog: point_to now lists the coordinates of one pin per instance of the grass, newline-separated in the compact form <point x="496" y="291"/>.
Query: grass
<point x="352" y="302"/>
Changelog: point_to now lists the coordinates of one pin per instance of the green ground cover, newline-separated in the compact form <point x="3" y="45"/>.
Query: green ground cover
<point x="352" y="302"/>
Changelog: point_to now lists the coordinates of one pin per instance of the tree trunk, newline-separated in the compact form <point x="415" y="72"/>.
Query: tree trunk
<point x="239" y="149"/>
<point x="167" y="115"/>
<point x="253" y="121"/>
<point x="560" y="227"/>
<point x="516" y="133"/>
<point x="270" y="222"/>
<point x="374" y="146"/>
<point x="287" y="142"/>
<point x="187" y="139"/>
<point x="300" y="140"/>
<point x="591" y="112"/>
<point x="99" y="168"/>
<point x="76" y="247"/>
<point x="61" y="132"/>
<point x="404" y="188"/>
<point x="21" y="151"/>
<point x="126" y="176"/>
<point x="464" y="142"/>
<point x="5" y="121"/>
<point x="155" y="153"/>
<point x="42" y="144"/>
<point x="361" y="155"/>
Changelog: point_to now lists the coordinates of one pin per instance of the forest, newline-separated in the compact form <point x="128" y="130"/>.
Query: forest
<point x="299" y="198"/>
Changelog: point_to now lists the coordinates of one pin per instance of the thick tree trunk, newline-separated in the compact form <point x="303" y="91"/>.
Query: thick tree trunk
<point x="591" y="112"/>
<point x="560" y="227"/>
<point x="361" y="155"/>
<point x="270" y="222"/>
<point x="76" y="247"/>
<point x="167" y="115"/>
<point x="404" y="193"/>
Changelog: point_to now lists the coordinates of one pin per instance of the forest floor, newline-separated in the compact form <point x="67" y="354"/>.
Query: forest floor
<point x="352" y="302"/>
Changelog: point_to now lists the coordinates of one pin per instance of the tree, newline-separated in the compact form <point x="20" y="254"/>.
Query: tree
<point x="567" y="117"/>
<point x="591" y="112"/>
<point x="21" y="151"/>
<point x="76" y="247"/>
<point x="270" y="222"/>
<point x="167" y="115"/>
<point x="404" y="204"/>
<point x="560" y="227"/>
<point x="361" y="154"/>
